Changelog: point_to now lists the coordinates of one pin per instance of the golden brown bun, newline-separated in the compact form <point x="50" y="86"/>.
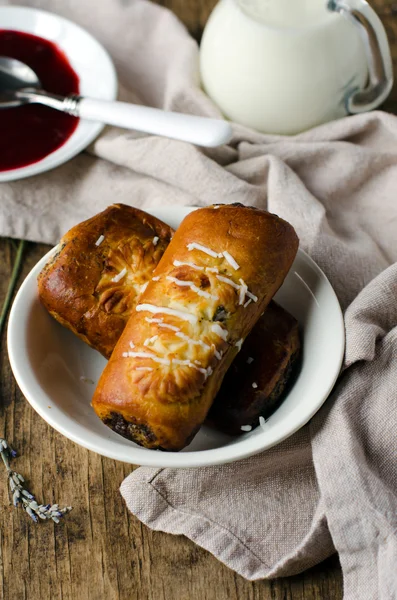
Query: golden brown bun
<point x="267" y="359"/>
<point x="274" y="341"/>
<point x="167" y="368"/>
<point x="76" y="285"/>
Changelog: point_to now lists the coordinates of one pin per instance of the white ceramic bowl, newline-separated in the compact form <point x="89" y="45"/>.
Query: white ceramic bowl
<point x="49" y="363"/>
<point x="90" y="61"/>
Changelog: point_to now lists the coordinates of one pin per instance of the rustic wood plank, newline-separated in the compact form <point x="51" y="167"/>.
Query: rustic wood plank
<point x="100" y="550"/>
<point x="193" y="13"/>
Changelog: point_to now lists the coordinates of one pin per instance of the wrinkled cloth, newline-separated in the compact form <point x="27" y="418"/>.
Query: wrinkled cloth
<point x="332" y="485"/>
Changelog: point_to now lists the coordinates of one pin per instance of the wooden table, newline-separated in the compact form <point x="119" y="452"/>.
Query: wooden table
<point x="100" y="551"/>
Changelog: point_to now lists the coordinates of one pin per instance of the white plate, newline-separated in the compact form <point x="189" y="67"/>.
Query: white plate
<point x="90" y="61"/>
<point x="48" y="362"/>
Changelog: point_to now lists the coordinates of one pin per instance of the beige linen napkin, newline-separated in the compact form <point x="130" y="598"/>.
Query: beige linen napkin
<point x="333" y="485"/>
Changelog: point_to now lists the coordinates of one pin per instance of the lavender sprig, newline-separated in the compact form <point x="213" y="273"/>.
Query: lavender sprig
<point x="22" y="497"/>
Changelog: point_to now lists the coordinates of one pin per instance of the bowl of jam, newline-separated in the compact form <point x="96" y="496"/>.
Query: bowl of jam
<point x="67" y="60"/>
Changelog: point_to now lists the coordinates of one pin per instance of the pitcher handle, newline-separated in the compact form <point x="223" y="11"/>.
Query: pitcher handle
<point x="380" y="67"/>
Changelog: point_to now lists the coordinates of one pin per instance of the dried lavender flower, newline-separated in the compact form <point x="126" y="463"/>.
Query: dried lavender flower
<point x="22" y="497"/>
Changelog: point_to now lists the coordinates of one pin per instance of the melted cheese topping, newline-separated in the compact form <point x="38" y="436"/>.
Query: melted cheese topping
<point x="252" y="296"/>
<point x="243" y="291"/>
<point x="194" y="246"/>
<point x="239" y="343"/>
<point x="228" y="281"/>
<point x="119" y="276"/>
<point x="190" y="340"/>
<point x="218" y="330"/>
<point x="162" y="361"/>
<point x="199" y="340"/>
<point x="179" y="263"/>
<point x="233" y="263"/>
<point x="192" y="286"/>
<point x="185" y="316"/>
<point x="167" y="326"/>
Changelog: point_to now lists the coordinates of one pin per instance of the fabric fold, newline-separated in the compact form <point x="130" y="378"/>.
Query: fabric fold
<point x="271" y="543"/>
<point x="333" y="485"/>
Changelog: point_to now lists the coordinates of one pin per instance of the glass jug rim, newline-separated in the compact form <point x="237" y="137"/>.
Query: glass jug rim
<point x="286" y="28"/>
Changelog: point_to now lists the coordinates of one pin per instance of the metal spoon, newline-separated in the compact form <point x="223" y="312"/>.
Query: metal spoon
<point x="19" y="85"/>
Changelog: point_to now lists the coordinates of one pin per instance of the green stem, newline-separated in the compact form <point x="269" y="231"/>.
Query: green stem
<point x="5" y="461"/>
<point x="12" y="284"/>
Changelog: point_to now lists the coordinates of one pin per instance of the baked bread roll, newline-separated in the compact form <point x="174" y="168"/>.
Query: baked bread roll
<point x="256" y="381"/>
<point x="92" y="283"/>
<point x="213" y="282"/>
<point x="272" y="340"/>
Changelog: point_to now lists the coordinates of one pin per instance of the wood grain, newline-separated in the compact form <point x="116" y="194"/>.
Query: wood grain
<point x="101" y="551"/>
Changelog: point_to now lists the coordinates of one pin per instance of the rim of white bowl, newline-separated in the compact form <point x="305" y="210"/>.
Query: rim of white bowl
<point x="145" y="457"/>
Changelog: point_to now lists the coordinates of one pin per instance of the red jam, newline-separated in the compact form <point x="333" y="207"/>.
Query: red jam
<point x="31" y="132"/>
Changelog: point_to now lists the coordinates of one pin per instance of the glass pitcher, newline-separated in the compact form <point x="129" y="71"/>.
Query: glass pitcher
<point x="283" y="66"/>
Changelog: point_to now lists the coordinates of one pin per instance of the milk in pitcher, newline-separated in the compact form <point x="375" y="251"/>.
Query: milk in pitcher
<point x="281" y="66"/>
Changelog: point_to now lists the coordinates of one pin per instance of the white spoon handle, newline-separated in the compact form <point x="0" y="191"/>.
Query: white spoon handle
<point x="196" y="130"/>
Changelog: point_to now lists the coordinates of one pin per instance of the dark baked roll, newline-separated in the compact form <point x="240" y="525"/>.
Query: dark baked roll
<point x="213" y="282"/>
<point x="256" y="381"/>
<point x="92" y="283"/>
